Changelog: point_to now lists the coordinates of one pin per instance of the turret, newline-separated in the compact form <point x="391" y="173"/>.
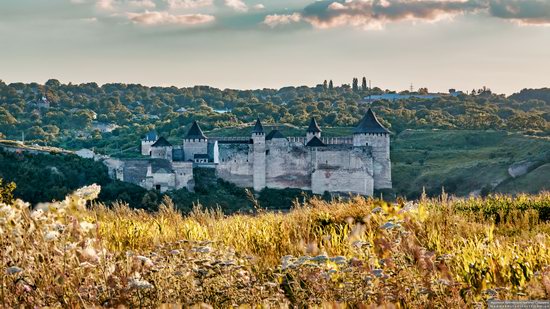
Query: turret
<point x="258" y="156"/>
<point x="370" y="132"/>
<point x="313" y="130"/>
<point x="161" y="149"/>
<point x="195" y="142"/>
<point x="146" y="143"/>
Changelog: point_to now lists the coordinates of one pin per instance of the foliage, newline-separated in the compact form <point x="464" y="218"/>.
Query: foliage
<point x="356" y="251"/>
<point x="6" y="192"/>
<point x="77" y="114"/>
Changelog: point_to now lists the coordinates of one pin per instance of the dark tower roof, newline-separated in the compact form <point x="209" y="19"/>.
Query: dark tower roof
<point x="195" y="132"/>
<point x="162" y="142"/>
<point x="315" y="142"/>
<point x="151" y="136"/>
<point x="369" y="124"/>
<point x="258" y="128"/>
<point x="274" y="134"/>
<point x="313" y="127"/>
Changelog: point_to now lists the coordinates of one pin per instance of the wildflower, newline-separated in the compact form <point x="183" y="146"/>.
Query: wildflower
<point x="202" y="249"/>
<point x="86" y="226"/>
<point x="390" y="226"/>
<point x="145" y="260"/>
<point x="86" y="265"/>
<point x="339" y="260"/>
<point x="140" y="284"/>
<point x="376" y="210"/>
<point x="320" y="258"/>
<point x="13" y="270"/>
<point x="89" y="254"/>
<point x="37" y="214"/>
<point x="88" y="193"/>
<point x="378" y="272"/>
<point x="51" y="236"/>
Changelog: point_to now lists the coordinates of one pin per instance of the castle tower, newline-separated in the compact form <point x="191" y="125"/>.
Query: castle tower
<point x="146" y="143"/>
<point x="161" y="149"/>
<point x="259" y="156"/>
<point x="313" y="130"/>
<point x="195" y="142"/>
<point x="370" y="132"/>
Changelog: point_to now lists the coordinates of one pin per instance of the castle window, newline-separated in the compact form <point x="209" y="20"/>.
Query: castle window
<point x="267" y="152"/>
<point x="157" y="187"/>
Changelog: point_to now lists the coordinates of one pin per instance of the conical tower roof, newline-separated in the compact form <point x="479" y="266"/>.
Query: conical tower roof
<point x="162" y="142"/>
<point x="369" y="124"/>
<point x="313" y="126"/>
<point x="195" y="132"/>
<point x="258" y="128"/>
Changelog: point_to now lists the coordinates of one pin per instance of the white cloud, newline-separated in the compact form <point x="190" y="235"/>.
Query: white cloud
<point x="154" y="18"/>
<point x="188" y="4"/>
<point x="105" y="5"/>
<point x="237" y="5"/>
<point x="149" y="4"/>
<point x="278" y="20"/>
<point x="259" y="6"/>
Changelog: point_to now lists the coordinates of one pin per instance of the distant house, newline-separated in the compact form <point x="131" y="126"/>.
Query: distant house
<point x="43" y="102"/>
<point x="405" y="96"/>
<point x="85" y="153"/>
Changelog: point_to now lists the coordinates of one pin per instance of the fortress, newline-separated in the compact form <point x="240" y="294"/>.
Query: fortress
<point x="358" y="164"/>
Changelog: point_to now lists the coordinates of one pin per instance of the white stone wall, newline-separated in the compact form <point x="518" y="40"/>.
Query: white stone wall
<point x="161" y="153"/>
<point x="235" y="164"/>
<point x="380" y="144"/>
<point x="258" y="161"/>
<point x="191" y="147"/>
<point x="288" y="165"/>
<point x="146" y="147"/>
<point x="184" y="175"/>
<point x="344" y="181"/>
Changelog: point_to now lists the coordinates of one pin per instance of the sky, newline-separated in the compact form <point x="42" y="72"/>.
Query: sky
<point x="252" y="44"/>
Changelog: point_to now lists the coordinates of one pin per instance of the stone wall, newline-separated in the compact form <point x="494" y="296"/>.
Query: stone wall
<point x="184" y="175"/>
<point x="194" y="146"/>
<point x="344" y="181"/>
<point x="235" y="164"/>
<point x="288" y="165"/>
<point x="380" y="144"/>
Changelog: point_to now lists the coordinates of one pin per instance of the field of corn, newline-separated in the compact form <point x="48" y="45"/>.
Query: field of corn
<point x="441" y="252"/>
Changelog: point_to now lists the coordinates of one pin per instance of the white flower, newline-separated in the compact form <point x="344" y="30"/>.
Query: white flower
<point x="37" y="214"/>
<point x="89" y="254"/>
<point x="51" y="236"/>
<point x="86" y="226"/>
<point x="13" y="270"/>
<point x="145" y="260"/>
<point x="88" y="193"/>
<point x="139" y="284"/>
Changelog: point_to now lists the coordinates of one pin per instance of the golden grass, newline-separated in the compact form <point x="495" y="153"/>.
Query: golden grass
<point x="432" y="253"/>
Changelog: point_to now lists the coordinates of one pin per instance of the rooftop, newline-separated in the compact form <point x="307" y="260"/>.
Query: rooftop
<point x="195" y="132"/>
<point x="313" y="126"/>
<point x="162" y="142"/>
<point x="369" y="124"/>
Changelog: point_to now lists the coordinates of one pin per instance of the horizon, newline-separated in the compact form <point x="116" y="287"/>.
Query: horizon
<point x="252" y="44"/>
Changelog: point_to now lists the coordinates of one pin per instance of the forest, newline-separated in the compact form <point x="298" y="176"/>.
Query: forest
<point x="111" y="118"/>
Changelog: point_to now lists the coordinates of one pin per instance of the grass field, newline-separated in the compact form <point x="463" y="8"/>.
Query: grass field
<point x="435" y="253"/>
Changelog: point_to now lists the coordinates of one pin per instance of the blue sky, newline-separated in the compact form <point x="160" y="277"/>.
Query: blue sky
<point x="439" y="44"/>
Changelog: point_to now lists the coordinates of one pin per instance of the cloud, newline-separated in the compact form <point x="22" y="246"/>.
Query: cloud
<point x="259" y="6"/>
<point x="278" y="20"/>
<point x="149" y="4"/>
<point x="369" y="14"/>
<point x="154" y="18"/>
<point x="528" y="12"/>
<point x="237" y="5"/>
<point x="188" y="4"/>
<point x="107" y="5"/>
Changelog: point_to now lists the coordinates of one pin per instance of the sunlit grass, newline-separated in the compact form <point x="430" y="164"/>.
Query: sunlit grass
<point x="432" y="253"/>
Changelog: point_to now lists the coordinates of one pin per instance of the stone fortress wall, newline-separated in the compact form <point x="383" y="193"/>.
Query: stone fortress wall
<point x="357" y="164"/>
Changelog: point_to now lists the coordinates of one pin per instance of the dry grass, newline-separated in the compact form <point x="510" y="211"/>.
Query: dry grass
<point x="433" y="253"/>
